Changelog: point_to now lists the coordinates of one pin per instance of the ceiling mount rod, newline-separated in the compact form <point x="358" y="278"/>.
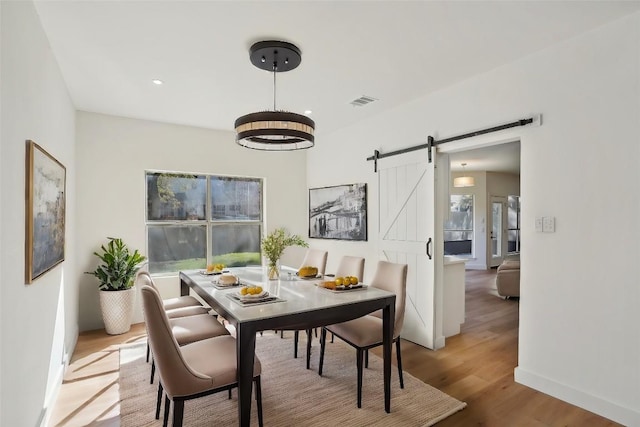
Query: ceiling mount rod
<point x="432" y="143"/>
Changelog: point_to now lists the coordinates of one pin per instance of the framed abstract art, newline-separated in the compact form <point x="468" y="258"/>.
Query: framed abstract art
<point x="45" y="212"/>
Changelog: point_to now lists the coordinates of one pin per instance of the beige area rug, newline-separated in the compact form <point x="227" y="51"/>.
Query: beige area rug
<point x="293" y="395"/>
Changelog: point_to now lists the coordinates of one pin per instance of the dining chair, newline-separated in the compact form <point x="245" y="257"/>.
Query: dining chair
<point x="193" y="370"/>
<point x="144" y="278"/>
<point x="313" y="258"/>
<point x="348" y="266"/>
<point x="186" y="328"/>
<point x="351" y="266"/>
<point x="366" y="332"/>
<point x="175" y="307"/>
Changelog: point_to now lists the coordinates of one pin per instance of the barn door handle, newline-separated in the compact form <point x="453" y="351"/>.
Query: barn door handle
<point x="429" y="248"/>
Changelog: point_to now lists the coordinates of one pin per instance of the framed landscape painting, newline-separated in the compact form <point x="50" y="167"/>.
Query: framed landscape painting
<point x="45" y="212"/>
<point x="338" y="212"/>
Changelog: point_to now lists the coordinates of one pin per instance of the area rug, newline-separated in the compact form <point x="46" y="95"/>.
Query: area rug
<point x="293" y="395"/>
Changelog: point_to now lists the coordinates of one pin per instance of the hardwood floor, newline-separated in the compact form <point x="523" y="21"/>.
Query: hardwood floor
<point x="475" y="366"/>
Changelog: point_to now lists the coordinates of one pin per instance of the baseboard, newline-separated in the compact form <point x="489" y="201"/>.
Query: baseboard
<point x="595" y="404"/>
<point x="51" y="399"/>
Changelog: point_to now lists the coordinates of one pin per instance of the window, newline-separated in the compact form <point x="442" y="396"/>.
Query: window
<point x="193" y="220"/>
<point x="458" y="229"/>
<point x="513" y="224"/>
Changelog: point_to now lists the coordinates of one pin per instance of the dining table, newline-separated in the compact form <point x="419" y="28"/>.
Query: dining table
<point x="295" y="304"/>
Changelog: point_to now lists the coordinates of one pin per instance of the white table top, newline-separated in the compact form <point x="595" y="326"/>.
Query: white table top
<point x="299" y="295"/>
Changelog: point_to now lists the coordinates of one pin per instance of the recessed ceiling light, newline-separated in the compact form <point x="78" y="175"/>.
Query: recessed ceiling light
<point x="308" y="112"/>
<point x="157" y="82"/>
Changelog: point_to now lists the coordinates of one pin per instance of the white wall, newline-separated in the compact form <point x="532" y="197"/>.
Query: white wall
<point x="579" y="320"/>
<point x="113" y="154"/>
<point x="38" y="321"/>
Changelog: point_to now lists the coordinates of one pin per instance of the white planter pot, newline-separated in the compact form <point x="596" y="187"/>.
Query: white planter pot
<point x="117" y="310"/>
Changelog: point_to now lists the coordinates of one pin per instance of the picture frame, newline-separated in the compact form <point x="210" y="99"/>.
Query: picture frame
<point x="45" y="211"/>
<point x="338" y="212"/>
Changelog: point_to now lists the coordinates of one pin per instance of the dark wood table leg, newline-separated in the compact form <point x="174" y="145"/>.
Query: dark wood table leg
<point x="184" y="288"/>
<point x="388" y="318"/>
<point x="245" y="353"/>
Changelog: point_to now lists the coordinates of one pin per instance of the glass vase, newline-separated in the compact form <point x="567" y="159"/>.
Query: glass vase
<point x="273" y="270"/>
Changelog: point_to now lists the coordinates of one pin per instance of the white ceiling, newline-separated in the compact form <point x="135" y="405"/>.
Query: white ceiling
<point x="109" y="51"/>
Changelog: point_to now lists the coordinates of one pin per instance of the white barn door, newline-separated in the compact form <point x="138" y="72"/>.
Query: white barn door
<point x="406" y="185"/>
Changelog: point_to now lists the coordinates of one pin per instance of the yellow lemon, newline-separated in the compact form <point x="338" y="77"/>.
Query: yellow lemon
<point x="244" y="291"/>
<point x="339" y="281"/>
<point x="353" y="280"/>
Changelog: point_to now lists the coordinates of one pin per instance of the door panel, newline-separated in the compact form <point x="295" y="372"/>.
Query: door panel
<point x="406" y="222"/>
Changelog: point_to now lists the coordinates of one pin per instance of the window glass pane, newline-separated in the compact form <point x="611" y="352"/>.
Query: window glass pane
<point x="173" y="197"/>
<point x="458" y="229"/>
<point x="237" y="199"/>
<point x="176" y="247"/>
<point x="235" y="245"/>
<point x="513" y="221"/>
<point x="513" y="243"/>
<point x="461" y="216"/>
<point x="513" y="224"/>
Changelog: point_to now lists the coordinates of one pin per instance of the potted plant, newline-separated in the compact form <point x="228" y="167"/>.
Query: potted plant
<point x="116" y="274"/>
<point x="274" y="244"/>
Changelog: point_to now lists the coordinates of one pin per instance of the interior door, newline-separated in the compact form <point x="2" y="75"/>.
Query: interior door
<point x="407" y="233"/>
<point x="498" y="230"/>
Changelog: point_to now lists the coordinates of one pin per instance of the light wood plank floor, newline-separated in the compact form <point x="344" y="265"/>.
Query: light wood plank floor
<point x="475" y="366"/>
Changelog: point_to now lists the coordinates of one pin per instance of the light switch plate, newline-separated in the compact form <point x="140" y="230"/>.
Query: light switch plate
<point x="538" y="224"/>
<point x="548" y="224"/>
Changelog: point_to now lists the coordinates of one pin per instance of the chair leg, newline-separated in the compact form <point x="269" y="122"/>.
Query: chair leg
<point x="323" y="339"/>
<point x="281" y="334"/>
<point x="159" y="400"/>
<point x="332" y="337"/>
<point x="259" y="399"/>
<point x="359" y="355"/>
<point x="148" y="351"/>
<point x="229" y="394"/>
<point x="309" y="336"/>
<point x="296" y="336"/>
<point x="153" y="370"/>
<point x="366" y="358"/>
<point x="399" y="362"/>
<point x="178" y="413"/>
<point x="167" y="406"/>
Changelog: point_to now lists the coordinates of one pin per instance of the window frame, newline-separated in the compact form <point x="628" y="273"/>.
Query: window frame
<point x="208" y="222"/>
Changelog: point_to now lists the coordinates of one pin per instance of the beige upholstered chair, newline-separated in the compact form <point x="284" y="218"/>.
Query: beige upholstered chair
<point x="188" y="323"/>
<point x="349" y="266"/>
<point x="194" y="370"/>
<point x="366" y="332"/>
<point x="175" y="307"/>
<point x="315" y="258"/>
<point x="318" y="259"/>
<point x="178" y="307"/>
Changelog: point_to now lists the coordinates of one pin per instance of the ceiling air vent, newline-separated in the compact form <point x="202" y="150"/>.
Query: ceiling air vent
<point x="362" y="101"/>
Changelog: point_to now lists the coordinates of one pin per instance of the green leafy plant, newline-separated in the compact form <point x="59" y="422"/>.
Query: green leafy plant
<point x="277" y="241"/>
<point x="119" y="266"/>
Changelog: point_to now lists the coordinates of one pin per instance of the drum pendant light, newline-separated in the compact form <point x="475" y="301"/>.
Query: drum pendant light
<point x="275" y="130"/>
<point x="464" y="181"/>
